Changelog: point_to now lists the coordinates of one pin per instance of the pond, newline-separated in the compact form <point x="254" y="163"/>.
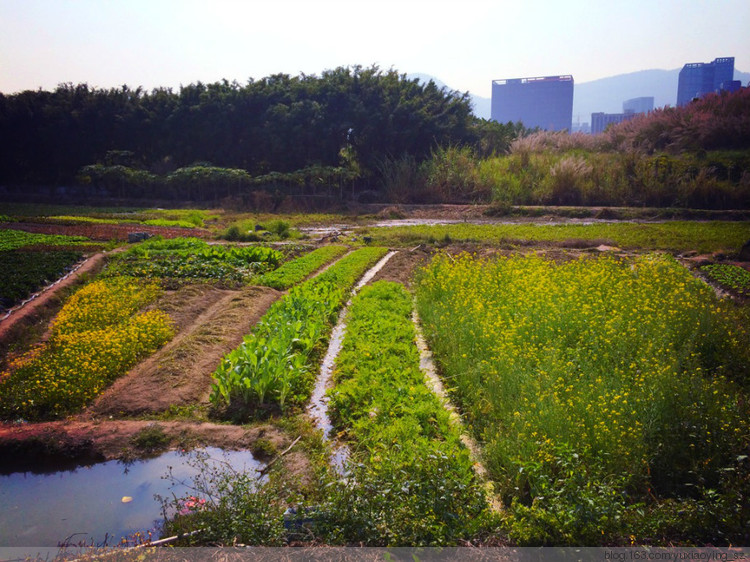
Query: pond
<point x="99" y="503"/>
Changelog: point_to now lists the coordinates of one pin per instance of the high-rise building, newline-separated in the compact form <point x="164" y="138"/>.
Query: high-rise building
<point x="700" y="78"/>
<point x="638" y="105"/>
<point x="544" y="102"/>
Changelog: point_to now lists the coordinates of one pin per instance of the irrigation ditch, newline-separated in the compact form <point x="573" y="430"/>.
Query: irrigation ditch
<point x="318" y="407"/>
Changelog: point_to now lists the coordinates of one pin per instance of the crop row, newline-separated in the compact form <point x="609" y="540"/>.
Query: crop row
<point x="97" y="336"/>
<point x="730" y="276"/>
<point x="672" y="236"/>
<point x="68" y="219"/>
<point x="26" y="271"/>
<point x="297" y="270"/>
<point x="608" y="394"/>
<point x="14" y="239"/>
<point x="193" y="259"/>
<point x="274" y="365"/>
<point x="413" y="482"/>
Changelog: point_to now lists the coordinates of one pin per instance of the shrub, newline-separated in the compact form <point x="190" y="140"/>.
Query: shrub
<point x="401" y="179"/>
<point x="567" y="180"/>
<point x="227" y="507"/>
<point x="451" y="175"/>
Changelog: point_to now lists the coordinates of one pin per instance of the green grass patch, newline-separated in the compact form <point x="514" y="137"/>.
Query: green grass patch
<point x="292" y="272"/>
<point x="670" y="236"/>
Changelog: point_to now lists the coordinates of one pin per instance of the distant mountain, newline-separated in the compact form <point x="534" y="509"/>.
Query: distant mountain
<point x="607" y="94"/>
<point x="480" y="105"/>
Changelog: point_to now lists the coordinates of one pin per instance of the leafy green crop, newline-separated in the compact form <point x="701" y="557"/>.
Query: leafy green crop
<point x="405" y="448"/>
<point x="274" y="365"/>
<point x="25" y="271"/>
<point x="730" y="276"/>
<point x="194" y="259"/>
<point x="297" y="270"/>
<point x="12" y="239"/>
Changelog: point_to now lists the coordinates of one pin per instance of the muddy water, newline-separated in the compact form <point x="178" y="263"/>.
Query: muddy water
<point x="86" y="505"/>
<point x="318" y="408"/>
<point x="345" y="229"/>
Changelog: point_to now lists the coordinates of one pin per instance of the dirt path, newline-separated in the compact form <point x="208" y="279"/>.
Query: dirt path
<point x="435" y="384"/>
<point x="401" y="267"/>
<point x="213" y="322"/>
<point x="29" y="311"/>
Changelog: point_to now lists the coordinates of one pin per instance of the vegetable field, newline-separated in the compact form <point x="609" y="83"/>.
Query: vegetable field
<point x="602" y="394"/>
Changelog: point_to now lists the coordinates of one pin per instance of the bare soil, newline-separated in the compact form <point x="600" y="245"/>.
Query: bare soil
<point x="401" y="267"/>
<point x="211" y="322"/>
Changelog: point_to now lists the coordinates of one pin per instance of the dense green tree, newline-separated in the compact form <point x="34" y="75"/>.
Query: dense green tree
<point x="350" y="116"/>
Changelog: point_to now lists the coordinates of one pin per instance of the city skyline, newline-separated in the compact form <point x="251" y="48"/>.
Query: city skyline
<point x="170" y="43"/>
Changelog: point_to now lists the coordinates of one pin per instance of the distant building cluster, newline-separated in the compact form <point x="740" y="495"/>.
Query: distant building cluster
<point x="700" y="78"/>
<point x="547" y="102"/>
<point x="630" y="108"/>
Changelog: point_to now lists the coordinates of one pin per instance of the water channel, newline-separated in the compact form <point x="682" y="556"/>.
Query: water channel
<point x="101" y="502"/>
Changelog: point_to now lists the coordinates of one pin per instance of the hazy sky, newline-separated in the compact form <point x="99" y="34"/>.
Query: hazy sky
<point x="464" y="43"/>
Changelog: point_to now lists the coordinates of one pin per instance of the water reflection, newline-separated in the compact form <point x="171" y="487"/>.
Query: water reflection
<point x="86" y="504"/>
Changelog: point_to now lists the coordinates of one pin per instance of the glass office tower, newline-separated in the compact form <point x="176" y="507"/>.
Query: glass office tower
<point x="544" y="102"/>
<point x="700" y="78"/>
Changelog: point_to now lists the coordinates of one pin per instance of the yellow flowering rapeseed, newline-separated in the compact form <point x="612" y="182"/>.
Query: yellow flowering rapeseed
<point x="96" y="337"/>
<point x="624" y="366"/>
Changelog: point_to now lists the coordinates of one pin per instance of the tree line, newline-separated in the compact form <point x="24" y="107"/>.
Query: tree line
<point x="348" y="119"/>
